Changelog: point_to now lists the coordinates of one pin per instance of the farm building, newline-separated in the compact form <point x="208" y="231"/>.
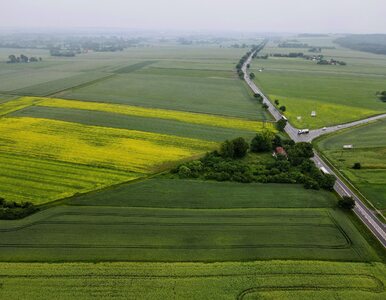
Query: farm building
<point x="279" y="151"/>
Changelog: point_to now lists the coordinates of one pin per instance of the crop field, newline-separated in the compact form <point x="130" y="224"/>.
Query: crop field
<point x="128" y="150"/>
<point x="369" y="150"/>
<point x="169" y="193"/>
<point x="338" y="94"/>
<point x="85" y="137"/>
<point x="156" y="125"/>
<point x="134" y="222"/>
<point x="187" y="117"/>
<point x="114" y="137"/>
<point x="203" y="95"/>
<point x="248" y="280"/>
<point x="25" y="178"/>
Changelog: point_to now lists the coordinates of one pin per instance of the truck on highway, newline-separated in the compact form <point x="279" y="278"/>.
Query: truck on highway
<point x="303" y="131"/>
<point x="324" y="170"/>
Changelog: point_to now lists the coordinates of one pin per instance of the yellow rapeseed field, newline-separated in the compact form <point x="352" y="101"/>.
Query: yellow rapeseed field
<point x="122" y="149"/>
<point x="17" y="104"/>
<point x="187" y="117"/>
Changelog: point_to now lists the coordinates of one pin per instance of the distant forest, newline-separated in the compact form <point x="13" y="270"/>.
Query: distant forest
<point x="374" y="43"/>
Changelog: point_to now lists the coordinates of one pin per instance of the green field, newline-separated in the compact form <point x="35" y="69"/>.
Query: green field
<point x="338" y="94"/>
<point x="197" y="94"/>
<point x="369" y="150"/>
<point x="95" y="134"/>
<point x="250" y="280"/>
<point x="96" y="128"/>
<point x="175" y="220"/>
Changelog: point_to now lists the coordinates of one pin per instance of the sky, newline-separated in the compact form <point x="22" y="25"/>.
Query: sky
<point x="324" y="16"/>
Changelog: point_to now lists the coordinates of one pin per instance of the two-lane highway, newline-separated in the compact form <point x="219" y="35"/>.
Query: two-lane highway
<point x="367" y="216"/>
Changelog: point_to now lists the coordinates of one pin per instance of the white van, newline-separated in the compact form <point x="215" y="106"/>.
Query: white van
<point x="303" y="131"/>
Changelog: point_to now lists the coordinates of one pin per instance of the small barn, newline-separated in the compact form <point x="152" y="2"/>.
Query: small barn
<point x="279" y="151"/>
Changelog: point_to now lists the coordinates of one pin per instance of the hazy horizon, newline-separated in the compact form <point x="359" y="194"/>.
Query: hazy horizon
<point x="347" y="16"/>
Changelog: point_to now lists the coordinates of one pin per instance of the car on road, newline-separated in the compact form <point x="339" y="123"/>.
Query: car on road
<point x="324" y="128"/>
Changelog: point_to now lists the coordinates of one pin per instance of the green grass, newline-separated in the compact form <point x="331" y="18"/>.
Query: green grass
<point x="180" y="72"/>
<point x="55" y="86"/>
<point x="170" y="193"/>
<point x="114" y="120"/>
<point x="178" y="220"/>
<point x="130" y="234"/>
<point x="369" y="150"/>
<point x="134" y="67"/>
<point x="338" y="94"/>
<point x="268" y="280"/>
<point x="204" y="95"/>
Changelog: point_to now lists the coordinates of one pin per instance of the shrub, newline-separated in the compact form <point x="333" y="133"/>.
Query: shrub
<point x="10" y="210"/>
<point x="310" y="183"/>
<point x="283" y="108"/>
<point x="262" y="142"/>
<point x="184" y="172"/>
<point x="236" y="148"/>
<point x="281" y="124"/>
<point x="240" y="147"/>
<point x="357" y="166"/>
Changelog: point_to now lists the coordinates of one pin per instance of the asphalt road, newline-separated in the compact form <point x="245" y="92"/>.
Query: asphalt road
<point x="367" y="216"/>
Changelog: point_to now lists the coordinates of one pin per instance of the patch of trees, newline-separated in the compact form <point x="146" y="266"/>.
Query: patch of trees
<point x="62" y="52"/>
<point x="260" y="56"/>
<point x="255" y="49"/>
<point x="331" y="62"/>
<point x="373" y="43"/>
<point x="289" y="55"/>
<point x="281" y="124"/>
<point x="382" y="95"/>
<point x="13" y="59"/>
<point x="234" y="163"/>
<point x="318" y="58"/>
<point x="346" y="202"/>
<point x="315" y="50"/>
<point x="10" y="210"/>
<point x="293" y="45"/>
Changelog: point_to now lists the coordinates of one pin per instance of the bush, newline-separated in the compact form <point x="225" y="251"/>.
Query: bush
<point x="184" y="172"/>
<point x="236" y="148"/>
<point x="10" y="210"/>
<point x="346" y="202"/>
<point x="281" y="124"/>
<point x="262" y="142"/>
<point x="357" y="166"/>
<point x="227" y="149"/>
<point x="328" y="182"/>
<point x="283" y="108"/>
<point x="311" y="184"/>
<point x="240" y="147"/>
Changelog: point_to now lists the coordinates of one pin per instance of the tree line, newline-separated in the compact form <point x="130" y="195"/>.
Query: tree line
<point x="10" y="210"/>
<point x="13" y="59"/>
<point x="255" y="49"/>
